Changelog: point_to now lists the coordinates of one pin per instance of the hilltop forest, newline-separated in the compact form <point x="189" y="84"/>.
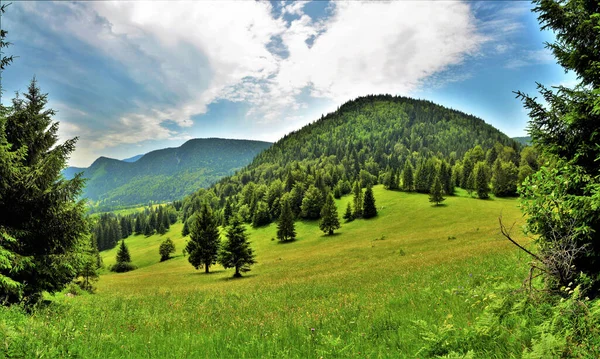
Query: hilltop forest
<point x="401" y="142"/>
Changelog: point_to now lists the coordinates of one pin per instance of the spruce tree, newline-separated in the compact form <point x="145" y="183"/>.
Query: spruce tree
<point x="369" y="209"/>
<point x="236" y="252"/>
<point x="407" y="177"/>
<point x="329" y="216"/>
<point x="358" y="200"/>
<point x="349" y="215"/>
<point x="285" y="226"/>
<point x="482" y="181"/>
<point x="123" y="263"/>
<point x="204" y="243"/>
<point x="42" y="221"/>
<point x="560" y="200"/>
<point x="436" y="192"/>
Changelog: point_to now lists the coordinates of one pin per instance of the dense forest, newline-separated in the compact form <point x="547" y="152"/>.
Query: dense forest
<point x="164" y="175"/>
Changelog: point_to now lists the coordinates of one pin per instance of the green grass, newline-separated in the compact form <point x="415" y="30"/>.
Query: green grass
<point x="346" y="295"/>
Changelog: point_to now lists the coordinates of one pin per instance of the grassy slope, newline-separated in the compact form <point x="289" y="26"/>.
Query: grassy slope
<point x="362" y="296"/>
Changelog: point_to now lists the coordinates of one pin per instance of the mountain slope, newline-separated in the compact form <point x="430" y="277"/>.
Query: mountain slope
<point x="165" y="174"/>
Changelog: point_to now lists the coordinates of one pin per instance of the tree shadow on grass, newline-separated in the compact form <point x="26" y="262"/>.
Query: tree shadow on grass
<point x="335" y="234"/>
<point x="287" y="242"/>
<point x="441" y="205"/>
<point x="200" y="271"/>
<point x="232" y="278"/>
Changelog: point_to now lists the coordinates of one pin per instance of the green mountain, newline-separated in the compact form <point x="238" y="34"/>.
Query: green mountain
<point x="165" y="174"/>
<point x="525" y="140"/>
<point x="363" y="140"/>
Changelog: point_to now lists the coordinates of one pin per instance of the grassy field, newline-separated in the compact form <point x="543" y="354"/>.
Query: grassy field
<point x="365" y="292"/>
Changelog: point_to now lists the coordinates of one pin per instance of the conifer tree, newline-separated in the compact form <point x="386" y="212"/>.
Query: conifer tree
<point x="407" y="177"/>
<point x="204" y="243"/>
<point x="123" y="263"/>
<point x="227" y="212"/>
<point x="329" y="216"/>
<point x="236" y="252"/>
<point x="349" y="215"/>
<point x="369" y="209"/>
<point x="482" y="181"/>
<point x="42" y="222"/>
<point x="358" y="200"/>
<point x="285" y="227"/>
<point x="436" y="192"/>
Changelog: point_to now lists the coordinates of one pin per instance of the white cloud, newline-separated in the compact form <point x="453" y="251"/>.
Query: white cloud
<point x="531" y="57"/>
<point x="191" y="54"/>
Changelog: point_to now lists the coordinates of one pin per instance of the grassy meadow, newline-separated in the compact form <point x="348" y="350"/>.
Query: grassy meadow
<point x="367" y="291"/>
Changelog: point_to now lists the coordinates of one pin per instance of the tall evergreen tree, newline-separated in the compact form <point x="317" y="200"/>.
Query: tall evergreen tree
<point x="42" y="224"/>
<point x="236" y="252"/>
<point x="204" y="243"/>
<point x="369" y="209"/>
<point x="407" y="177"/>
<point x="482" y="181"/>
<point x="561" y="199"/>
<point x="329" y="216"/>
<point x="349" y="214"/>
<point x="285" y="227"/>
<point x="436" y="192"/>
<point x="123" y="263"/>
<point x="358" y="200"/>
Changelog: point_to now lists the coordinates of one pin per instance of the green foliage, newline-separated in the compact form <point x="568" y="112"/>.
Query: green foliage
<point x="504" y="178"/>
<point x="123" y="263"/>
<point x="236" y="251"/>
<point x="561" y="200"/>
<point x="436" y="192"/>
<point x="369" y="208"/>
<point x="166" y="248"/>
<point x="261" y="215"/>
<point x="357" y="200"/>
<point x="349" y="214"/>
<point x="42" y="226"/>
<point x="203" y="246"/>
<point x="312" y="203"/>
<point x="285" y="227"/>
<point x="407" y="177"/>
<point x="482" y="180"/>
<point x="329" y="216"/>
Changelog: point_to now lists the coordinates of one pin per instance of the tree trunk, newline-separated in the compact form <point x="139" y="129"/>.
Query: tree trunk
<point x="237" y="272"/>
<point x="206" y="268"/>
<point x="331" y="232"/>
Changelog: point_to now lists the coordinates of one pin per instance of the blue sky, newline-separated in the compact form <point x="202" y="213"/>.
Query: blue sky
<point x="131" y="77"/>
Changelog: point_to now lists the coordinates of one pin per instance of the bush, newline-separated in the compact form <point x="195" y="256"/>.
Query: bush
<point x="122" y="267"/>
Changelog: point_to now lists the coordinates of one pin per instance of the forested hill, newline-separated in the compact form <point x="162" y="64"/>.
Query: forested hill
<point x="374" y="127"/>
<point x="165" y="174"/>
<point x="363" y="140"/>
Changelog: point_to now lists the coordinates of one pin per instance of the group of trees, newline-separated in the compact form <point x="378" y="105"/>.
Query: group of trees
<point x="108" y="229"/>
<point x="205" y="249"/>
<point x="499" y="170"/>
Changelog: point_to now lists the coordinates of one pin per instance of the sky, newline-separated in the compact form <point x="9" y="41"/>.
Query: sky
<point x="134" y="76"/>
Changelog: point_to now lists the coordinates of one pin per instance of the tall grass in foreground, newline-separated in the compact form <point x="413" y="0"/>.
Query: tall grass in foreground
<point x="373" y="290"/>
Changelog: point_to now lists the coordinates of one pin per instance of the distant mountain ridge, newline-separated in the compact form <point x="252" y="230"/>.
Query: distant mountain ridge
<point x="133" y="159"/>
<point x="166" y="174"/>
